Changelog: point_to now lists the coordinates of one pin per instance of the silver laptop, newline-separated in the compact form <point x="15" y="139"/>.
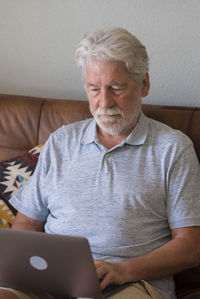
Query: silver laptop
<point x="56" y="264"/>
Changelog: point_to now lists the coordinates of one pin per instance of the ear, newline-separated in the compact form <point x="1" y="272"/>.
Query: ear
<point x="145" y="86"/>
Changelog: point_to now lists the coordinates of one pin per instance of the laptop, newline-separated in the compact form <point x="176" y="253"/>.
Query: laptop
<point x="57" y="264"/>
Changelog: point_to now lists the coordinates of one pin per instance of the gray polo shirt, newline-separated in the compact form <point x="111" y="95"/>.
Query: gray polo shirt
<point x="124" y="200"/>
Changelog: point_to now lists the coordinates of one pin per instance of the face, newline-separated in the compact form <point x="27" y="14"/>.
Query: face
<point x="114" y="97"/>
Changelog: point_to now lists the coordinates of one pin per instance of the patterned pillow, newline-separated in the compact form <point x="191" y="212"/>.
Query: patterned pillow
<point x="13" y="173"/>
<point x="6" y="215"/>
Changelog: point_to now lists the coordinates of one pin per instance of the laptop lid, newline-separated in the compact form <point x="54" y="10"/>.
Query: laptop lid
<point x="46" y="262"/>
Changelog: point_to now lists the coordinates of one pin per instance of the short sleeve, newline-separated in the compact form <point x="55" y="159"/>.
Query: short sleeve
<point x="30" y="199"/>
<point x="183" y="204"/>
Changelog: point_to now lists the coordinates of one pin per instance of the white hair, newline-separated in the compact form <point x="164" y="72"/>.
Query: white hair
<point x="115" y="44"/>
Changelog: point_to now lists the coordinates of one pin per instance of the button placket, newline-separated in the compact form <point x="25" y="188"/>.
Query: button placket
<point x="106" y="162"/>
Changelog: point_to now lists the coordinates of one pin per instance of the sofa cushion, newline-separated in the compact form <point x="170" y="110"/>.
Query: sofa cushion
<point x="187" y="293"/>
<point x="15" y="172"/>
<point x="6" y="215"/>
<point x="188" y="279"/>
<point x="19" y="124"/>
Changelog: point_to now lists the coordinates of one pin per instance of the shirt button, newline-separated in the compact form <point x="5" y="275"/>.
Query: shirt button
<point x="107" y="155"/>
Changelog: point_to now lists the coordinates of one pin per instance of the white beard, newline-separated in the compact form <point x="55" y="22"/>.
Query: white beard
<point x="113" y="120"/>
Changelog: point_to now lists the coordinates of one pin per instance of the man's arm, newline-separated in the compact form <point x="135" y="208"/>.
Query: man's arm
<point x="23" y="222"/>
<point x="182" y="252"/>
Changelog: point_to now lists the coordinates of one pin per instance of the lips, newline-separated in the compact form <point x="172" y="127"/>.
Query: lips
<point x="108" y="115"/>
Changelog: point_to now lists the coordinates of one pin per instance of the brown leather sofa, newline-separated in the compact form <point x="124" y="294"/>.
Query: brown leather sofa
<point x="27" y="121"/>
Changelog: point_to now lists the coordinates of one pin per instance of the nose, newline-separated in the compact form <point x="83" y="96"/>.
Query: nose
<point x="106" y="99"/>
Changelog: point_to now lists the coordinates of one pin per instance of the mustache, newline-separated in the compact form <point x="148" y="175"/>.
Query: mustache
<point x="109" y="111"/>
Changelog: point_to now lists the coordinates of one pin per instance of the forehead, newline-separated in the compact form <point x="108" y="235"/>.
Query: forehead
<point x="106" y="71"/>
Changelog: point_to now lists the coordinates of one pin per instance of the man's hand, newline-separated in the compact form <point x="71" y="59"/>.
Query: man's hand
<point x="107" y="273"/>
<point x="182" y="252"/>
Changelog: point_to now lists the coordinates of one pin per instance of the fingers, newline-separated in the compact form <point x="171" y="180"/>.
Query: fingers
<point x="105" y="282"/>
<point x="108" y="273"/>
<point x="104" y="273"/>
<point x="102" y="269"/>
<point x="115" y="273"/>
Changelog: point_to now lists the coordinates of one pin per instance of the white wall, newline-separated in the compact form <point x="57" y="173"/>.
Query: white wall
<point x="38" y="38"/>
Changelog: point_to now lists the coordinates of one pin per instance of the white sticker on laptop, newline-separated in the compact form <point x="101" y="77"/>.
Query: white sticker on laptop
<point x="38" y="262"/>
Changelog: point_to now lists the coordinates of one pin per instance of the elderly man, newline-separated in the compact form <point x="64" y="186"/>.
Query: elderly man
<point x="129" y="184"/>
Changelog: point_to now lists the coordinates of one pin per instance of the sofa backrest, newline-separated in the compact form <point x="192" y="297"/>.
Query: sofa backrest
<point x="185" y="119"/>
<point x="27" y="121"/>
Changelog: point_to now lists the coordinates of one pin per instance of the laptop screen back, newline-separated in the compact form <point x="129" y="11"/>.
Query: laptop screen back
<point x="45" y="262"/>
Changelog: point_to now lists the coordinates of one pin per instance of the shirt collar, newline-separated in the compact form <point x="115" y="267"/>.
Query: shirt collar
<point x="90" y="134"/>
<point x="139" y="134"/>
<point x="136" y="137"/>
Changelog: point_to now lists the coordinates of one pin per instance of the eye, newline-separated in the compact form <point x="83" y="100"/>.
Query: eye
<point x="117" y="90"/>
<point x="94" y="90"/>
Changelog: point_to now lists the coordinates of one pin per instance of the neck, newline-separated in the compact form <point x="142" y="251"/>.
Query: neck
<point x="110" y="141"/>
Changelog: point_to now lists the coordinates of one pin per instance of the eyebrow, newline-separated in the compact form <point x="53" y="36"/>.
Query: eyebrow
<point x="118" y="83"/>
<point x="115" y="83"/>
<point x="92" y="85"/>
